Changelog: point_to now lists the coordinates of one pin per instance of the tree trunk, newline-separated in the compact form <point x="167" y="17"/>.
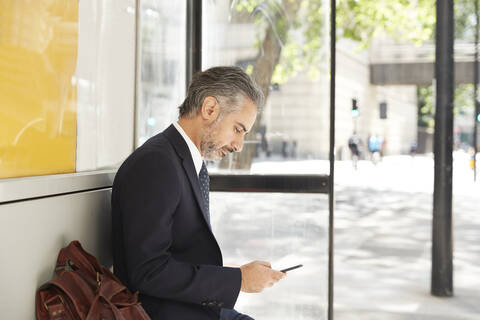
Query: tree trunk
<point x="267" y="59"/>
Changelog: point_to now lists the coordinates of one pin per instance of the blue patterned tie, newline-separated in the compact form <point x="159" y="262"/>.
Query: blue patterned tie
<point x="205" y="188"/>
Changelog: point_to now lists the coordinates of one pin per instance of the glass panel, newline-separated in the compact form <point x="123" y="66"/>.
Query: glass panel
<point x="284" y="46"/>
<point x="286" y="230"/>
<point x="38" y="107"/>
<point x="66" y="85"/>
<point x="161" y="87"/>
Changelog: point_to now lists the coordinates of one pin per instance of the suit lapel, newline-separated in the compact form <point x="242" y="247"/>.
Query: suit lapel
<point x="192" y="176"/>
<point x="182" y="150"/>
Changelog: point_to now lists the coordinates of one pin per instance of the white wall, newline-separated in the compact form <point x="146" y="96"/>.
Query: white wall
<point x="34" y="231"/>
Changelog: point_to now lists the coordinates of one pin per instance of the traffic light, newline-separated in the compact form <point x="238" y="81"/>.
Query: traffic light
<point x="383" y="110"/>
<point x="355" y="112"/>
<point x="478" y="117"/>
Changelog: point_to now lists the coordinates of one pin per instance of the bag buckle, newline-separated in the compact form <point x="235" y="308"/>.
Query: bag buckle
<point x="99" y="281"/>
<point x="51" y="299"/>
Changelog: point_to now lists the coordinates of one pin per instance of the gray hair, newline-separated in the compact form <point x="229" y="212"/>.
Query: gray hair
<point x="229" y="85"/>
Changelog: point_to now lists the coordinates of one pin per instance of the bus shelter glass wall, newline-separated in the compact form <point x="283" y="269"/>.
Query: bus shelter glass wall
<point x="62" y="94"/>
<point x="284" y="46"/>
<point x="286" y="230"/>
<point x="385" y="122"/>
<point x="161" y="66"/>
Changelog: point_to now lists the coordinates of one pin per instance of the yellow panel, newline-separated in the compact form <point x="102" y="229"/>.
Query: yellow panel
<point x="38" y="98"/>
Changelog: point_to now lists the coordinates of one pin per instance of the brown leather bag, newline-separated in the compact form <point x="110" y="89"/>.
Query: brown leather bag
<point x="85" y="290"/>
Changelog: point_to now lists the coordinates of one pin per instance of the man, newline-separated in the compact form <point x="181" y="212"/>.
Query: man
<point x="354" y="146"/>
<point x="163" y="243"/>
<point x="375" y="144"/>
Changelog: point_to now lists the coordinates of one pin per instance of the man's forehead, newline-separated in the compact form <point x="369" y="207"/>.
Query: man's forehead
<point x="246" y="117"/>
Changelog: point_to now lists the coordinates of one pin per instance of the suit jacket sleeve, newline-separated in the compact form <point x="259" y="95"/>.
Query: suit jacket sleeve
<point x="150" y="194"/>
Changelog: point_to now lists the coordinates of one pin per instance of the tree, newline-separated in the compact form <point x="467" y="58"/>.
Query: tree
<point x="463" y="95"/>
<point x="463" y="101"/>
<point x="276" y="19"/>
<point x="282" y="53"/>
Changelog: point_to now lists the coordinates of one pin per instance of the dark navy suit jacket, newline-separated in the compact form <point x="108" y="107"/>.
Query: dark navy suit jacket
<point x="163" y="246"/>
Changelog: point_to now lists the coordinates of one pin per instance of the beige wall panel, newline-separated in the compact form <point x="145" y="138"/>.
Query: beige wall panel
<point x="32" y="234"/>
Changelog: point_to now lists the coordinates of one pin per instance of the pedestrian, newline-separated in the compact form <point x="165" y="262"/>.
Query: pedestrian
<point x="164" y="246"/>
<point x="375" y="145"/>
<point x="413" y="148"/>
<point x="354" y="146"/>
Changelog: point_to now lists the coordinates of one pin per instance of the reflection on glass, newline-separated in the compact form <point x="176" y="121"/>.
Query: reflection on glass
<point x="286" y="230"/>
<point x="105" y="78"/>
<point x="284" y="46"/>
<point x="161" y="87"/>
<point x="38" y="50"/>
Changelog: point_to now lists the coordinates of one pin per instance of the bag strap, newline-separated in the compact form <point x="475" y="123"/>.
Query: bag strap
<point x="94" y="312"/>
<point x="74" y="253"/>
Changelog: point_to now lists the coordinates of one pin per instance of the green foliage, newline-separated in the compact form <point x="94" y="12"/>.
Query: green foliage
<point x="300" y="35"/>
<point x="247" y="5"/>
<point x="465" y="19"/>
<point x="405" y="20"/>
<point x="426" y="113"/>
<point x="463" y="100"/>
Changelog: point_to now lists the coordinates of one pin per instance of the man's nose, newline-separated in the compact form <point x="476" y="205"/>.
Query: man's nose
<point x="237" y="145"/>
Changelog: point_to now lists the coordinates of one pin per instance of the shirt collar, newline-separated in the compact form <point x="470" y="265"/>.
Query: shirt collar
<point x="196" y="155"/>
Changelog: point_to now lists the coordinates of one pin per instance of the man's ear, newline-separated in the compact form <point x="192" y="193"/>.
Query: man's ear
<point x="210" y="109"/>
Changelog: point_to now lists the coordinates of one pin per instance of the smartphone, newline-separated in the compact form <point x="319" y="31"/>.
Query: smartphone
<point x="291" y="268"/>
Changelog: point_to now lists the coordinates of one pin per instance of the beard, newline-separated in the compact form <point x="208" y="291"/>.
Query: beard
<point x="210" y="149"/>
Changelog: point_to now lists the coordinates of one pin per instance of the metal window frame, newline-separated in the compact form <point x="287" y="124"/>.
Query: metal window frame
<point x="269" y="183"/>
<point x="193" y="58"/>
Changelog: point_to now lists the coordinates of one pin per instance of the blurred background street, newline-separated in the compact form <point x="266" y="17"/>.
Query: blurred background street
<point x="383" y="227"/>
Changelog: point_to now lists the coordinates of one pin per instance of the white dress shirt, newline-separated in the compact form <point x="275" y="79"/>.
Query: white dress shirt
<point x="196" y="155"/>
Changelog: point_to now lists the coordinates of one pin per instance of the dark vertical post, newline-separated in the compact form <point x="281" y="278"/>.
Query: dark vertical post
<point x="442" y="266"/>
<point x="331" y="195"/>
<point x="136" y="77"/>
<point x="194" y="39"/>
<point x="475" y="98"/>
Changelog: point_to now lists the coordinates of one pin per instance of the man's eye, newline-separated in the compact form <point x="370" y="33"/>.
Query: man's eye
<point x="237" y="130"/>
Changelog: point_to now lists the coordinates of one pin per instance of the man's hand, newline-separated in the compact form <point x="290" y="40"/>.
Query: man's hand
<point x="258" y="275"/>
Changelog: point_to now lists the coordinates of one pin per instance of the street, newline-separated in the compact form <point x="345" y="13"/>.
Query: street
<point x="383" y="222"/>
